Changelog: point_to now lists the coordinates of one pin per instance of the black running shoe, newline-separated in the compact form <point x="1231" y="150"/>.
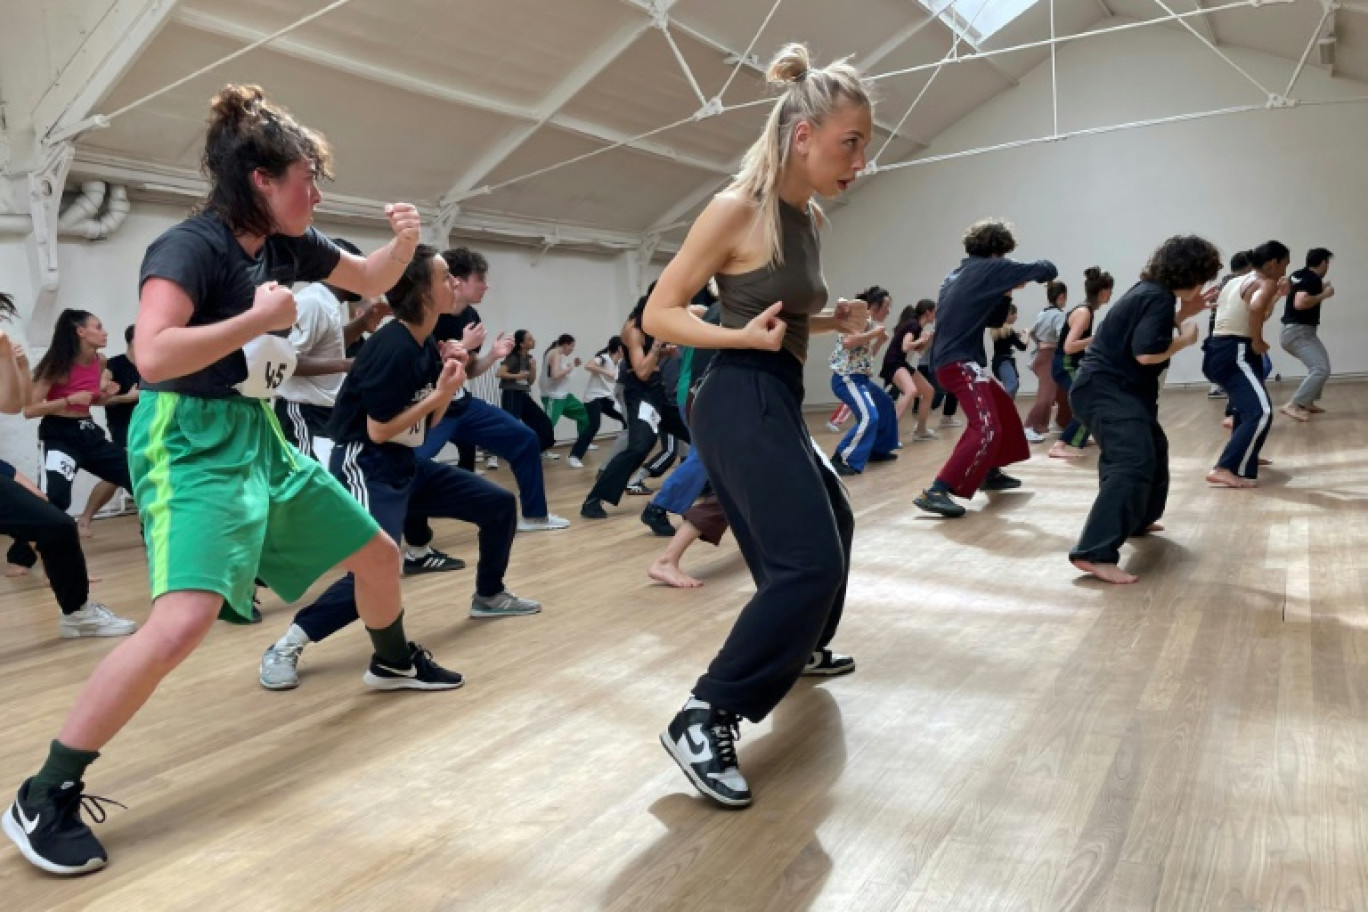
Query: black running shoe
<point x="593" y="509"/>
<point x="843" y="468"/>
<point x="939" y="502"/>
<point x="883" y="457"/>
<point x="432" y="562"/>
<point x="48" y="829"/>
<point x="1000" y="481"/>
<point x="422" y="673"/>
<point x="658" y="520"/>
<point x="702" y="740"/>
<point x="827" y="664"/>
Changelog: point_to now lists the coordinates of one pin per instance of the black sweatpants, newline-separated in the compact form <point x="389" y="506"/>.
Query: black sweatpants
<point x="69" y="445"/>
<point x="1133" y="470"/>
<point x="791" y="519"/>
<point x="648" y="413"/>
<point x="596" y="409"/>
<point x="302" y="422"/>
<point x="433" y="489"/>
<point x="1232" y="362"/>
<point x="520" y="405"/>
<point x="28" y="518"/>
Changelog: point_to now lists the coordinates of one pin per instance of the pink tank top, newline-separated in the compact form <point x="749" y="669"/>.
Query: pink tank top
<point x="85" y="378"/>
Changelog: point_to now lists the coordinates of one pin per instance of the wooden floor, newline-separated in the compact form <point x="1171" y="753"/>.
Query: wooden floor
<point x="1015" y="738"/>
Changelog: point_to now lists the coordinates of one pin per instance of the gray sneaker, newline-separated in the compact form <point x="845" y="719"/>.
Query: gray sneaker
<point x="94" y="620"/>
<point x="280" y="667"/>
<point x="505" y="604"/>
<point x="548" y="523"/>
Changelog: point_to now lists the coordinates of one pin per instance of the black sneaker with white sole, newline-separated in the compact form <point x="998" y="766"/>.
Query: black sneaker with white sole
<point x="702" y="740"/>
<point x="938" y="502"/>
<point x="827" y="664"/>
<point x="48" y="829"/>
<point x="422" y="673"/>
<point x="658" y="520"/>
<point x="998" y="480"/>
<point x="432" y="562"/>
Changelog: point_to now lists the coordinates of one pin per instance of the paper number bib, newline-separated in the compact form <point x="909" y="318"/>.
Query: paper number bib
<point x="271" y="361"/>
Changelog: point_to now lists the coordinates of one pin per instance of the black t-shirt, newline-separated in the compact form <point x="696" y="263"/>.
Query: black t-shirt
<point x="392" y="372"/>
<point x="206" y="261"/>
<point x="1141" y="323"/>
<point x="516" y="363"/>
<point x="894" y="357"/>
<point x="117" y="416"/>
<point x="1003" y="348"/>
<point x="451" y="326"/>
<point x="1072" y="359"/>
<point x="1310" y="282"/>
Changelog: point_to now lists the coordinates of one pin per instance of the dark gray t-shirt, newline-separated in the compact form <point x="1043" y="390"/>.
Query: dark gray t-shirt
<point x="206" y="261"/>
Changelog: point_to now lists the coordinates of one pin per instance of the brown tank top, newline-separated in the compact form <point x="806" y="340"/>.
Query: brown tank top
<point x="798" y="282"/>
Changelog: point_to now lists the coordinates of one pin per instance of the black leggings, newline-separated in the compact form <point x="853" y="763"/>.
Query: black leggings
<point x="29" y="518"/>
<point x="640" y="401"/>
<point x="951" y="403"/>
<point x="596" y="408"/>
<point x="791" y="519"/>
<point x="519" y="404"/>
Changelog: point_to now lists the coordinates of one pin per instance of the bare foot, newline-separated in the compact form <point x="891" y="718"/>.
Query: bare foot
<point x="1225" y="478"/>
<point x="15" y="570"/>
<point x="83" y="526"/>
<point x="1155" y="527"/>
<point x="1107" y="573"/>
<point x="92" y="580"/>
<point x="1228" y="422"/>
<point x="1295" y="412"/>
<point x="1315" y="409"/>
<point x="662" y="571"/>
<point x="1264" y="462"/>
<point x="1062" y="450"/>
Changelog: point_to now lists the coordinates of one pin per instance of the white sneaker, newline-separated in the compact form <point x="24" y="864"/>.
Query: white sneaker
<point x="492" y="462"/>
<point x="593" y="446"/>
<point x="950" y="421"/>
<point x="927" y="434"/>
<point x="1033" y="436"/>
<point x="548" y="523"/>
<point x="549" y="456"/>
<point x="574" y="463"/>
<point x="94" y="620"/>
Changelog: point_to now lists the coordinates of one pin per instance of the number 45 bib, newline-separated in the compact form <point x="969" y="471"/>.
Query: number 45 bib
<point x="271" y="361"/>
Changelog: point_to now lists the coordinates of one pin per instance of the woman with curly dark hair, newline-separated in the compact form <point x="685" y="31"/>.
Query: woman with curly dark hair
<point x="975" y="297"/>
<point x="1116" y="394"/>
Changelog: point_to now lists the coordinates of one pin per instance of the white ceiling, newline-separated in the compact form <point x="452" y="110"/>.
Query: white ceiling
<point x="442" y="102"/>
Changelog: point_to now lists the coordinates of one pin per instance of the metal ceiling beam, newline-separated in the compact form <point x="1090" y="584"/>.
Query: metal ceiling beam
<point x="996" y="67"/>
<point x="380" y="75"/>
<point x="99" y="63"/>
<point x="594" y="65"/>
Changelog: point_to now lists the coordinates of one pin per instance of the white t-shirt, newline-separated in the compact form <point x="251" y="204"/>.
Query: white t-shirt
<point x="317" y="333"/>
<point x="599" y="386"/>
<point x="550" y="387"/>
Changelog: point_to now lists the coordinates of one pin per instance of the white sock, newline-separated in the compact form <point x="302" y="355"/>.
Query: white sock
<point x="695" y="703"/>
<point x="295" y="636"/>
<point x="417" y="553"/>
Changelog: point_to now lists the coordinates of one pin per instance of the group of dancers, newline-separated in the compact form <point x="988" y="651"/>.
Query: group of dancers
<point x="231" y="490"/>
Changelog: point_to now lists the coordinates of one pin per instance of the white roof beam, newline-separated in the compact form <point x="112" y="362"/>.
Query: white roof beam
<point x="98" y="64"/>
<point x="616" y="137"/>
<point x="1206" y="25"/>
<point x="594" y="65"/>
<point x="996" y="67"/>
<point x="747" y="63"/>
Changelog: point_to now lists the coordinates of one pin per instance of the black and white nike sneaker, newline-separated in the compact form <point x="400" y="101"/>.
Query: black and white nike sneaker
<point x="827" y="664"/>
<point x="422" y="673"/>
<point x="432" y="562"/>
<point x="702" y="740"/>
<point x="47" y="828"/>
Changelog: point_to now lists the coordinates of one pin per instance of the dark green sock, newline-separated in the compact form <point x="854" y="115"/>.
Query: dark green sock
<point x="391" y="646"/>
<point x="64" y="764"/>
<point x="939" y="487"/>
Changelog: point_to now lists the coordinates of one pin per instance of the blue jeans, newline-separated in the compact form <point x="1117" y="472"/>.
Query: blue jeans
<point x="683" y="487"/>
<point x="876" y="431"/>
<point x="493" y="429"/>
<point x="1006" y="372"/>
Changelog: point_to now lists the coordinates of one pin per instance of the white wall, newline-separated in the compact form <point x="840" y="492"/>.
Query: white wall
<point x="583" y="294"/>
<point x="1295" y="175"/>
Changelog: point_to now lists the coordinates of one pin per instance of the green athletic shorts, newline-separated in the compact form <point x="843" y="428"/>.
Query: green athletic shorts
<point x="224" y="499"/>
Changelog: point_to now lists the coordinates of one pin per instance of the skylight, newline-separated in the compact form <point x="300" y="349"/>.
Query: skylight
<point x="977" y="20"/>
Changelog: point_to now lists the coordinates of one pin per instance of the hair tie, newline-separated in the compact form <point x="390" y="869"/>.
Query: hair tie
<point x="802" y="76"/>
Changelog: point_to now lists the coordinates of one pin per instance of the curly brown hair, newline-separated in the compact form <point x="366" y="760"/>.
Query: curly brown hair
<point x="247" y="132"/>
<point x="989" y="238"/>
<point x="1183" y="261"/>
